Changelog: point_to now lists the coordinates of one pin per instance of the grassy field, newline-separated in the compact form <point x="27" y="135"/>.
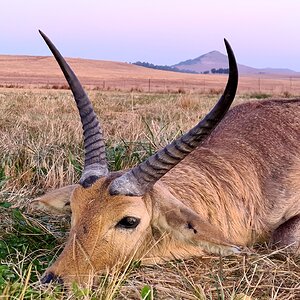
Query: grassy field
<point x="41" y="149"/>
<point x="43" y="72"/>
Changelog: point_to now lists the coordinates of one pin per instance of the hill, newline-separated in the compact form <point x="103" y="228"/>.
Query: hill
<point x="217" y="60"/>
<point x="38" y="70"/>
<point x="43" y="72"/>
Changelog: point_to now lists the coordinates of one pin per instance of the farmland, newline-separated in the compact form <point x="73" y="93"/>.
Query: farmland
<point x="42" y="72"/>
<point x="41" y="149"/>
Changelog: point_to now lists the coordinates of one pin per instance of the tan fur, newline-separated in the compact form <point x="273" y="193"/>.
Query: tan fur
<point x="236" y="188"/>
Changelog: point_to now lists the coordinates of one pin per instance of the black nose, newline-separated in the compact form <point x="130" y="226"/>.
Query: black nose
<point x="51" y="277"/>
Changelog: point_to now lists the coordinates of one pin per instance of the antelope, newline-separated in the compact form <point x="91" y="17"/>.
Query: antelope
<point x="229" y="182"/>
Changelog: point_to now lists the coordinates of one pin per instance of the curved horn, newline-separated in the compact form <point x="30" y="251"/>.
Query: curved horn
<point x="142" y="177"/>
<point x="95" y="164"/>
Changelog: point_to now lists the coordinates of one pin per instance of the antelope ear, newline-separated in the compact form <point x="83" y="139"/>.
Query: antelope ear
<point x="54" y="202"/>
<point x="184" y="224"/>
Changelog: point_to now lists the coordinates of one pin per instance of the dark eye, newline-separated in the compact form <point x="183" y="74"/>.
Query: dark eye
<point x="128" y="222"/>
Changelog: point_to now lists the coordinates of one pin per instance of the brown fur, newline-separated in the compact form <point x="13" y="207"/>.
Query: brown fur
<point x="246" y="172"/>
<point x="236" y="188"/>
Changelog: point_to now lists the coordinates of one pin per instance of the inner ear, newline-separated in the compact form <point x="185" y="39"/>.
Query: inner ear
<point x="187" y="226"/>
<point x="54" y="202"/>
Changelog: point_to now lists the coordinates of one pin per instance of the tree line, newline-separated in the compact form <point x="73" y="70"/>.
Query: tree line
<point x="174" y="69"/>
<point x="164" y="68"/>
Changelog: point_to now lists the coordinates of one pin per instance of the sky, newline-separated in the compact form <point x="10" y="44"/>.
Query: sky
<point x="262" y="33"/>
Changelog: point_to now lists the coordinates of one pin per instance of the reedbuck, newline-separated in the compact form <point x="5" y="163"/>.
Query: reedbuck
<point x="231" y="181"/>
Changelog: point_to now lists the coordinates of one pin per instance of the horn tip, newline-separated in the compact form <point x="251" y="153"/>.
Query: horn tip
<point x="227" y="45"/>
<point x="43" y="35"/>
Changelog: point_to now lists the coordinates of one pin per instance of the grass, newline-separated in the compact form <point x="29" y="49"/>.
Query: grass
<point x="41" y="149"/>
<point x="42" y="72"/>
<point x="258" y="95"/>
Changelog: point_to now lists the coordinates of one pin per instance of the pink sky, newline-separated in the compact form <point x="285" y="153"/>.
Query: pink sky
<point x="263" y="33"/>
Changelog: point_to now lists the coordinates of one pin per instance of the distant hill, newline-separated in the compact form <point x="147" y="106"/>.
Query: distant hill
<point x="43" y="70"/>
<point x="18" y="71"/>
<point x="217" y="60"/>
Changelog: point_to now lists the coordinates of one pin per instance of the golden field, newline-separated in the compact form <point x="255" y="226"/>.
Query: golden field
<point x="41" y="149"/>
<point x="43" y="72"/>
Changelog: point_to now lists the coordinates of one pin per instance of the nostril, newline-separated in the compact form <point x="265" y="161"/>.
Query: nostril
<point x="47" y="278"/>
<point x="51" y="277"/>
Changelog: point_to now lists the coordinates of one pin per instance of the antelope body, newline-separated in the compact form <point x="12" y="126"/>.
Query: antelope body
<point x="231" y="181"/>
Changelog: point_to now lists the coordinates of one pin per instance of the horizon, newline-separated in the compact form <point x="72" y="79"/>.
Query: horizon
<point x="160" y="33"/>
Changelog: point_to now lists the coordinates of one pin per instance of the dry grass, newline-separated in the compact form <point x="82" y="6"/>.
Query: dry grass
<point x="41" y="71"/>
<point x="41" y="137"/>
<point x="41" y="148"/>
<point x="265" y="275"/>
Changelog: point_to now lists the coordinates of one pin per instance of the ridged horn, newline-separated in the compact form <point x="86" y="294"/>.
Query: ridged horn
<point x="95" y="164"/>
<point x="141" y="178"/>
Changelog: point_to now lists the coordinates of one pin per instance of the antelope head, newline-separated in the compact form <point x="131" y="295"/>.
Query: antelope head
<point x="120" y="215"/>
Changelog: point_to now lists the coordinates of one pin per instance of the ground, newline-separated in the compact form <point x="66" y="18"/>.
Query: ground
<point x="41" y="149"/>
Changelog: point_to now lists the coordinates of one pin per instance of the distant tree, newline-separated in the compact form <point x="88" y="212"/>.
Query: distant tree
<point x="219" y="71"/>
<point x="164" y="68"/>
